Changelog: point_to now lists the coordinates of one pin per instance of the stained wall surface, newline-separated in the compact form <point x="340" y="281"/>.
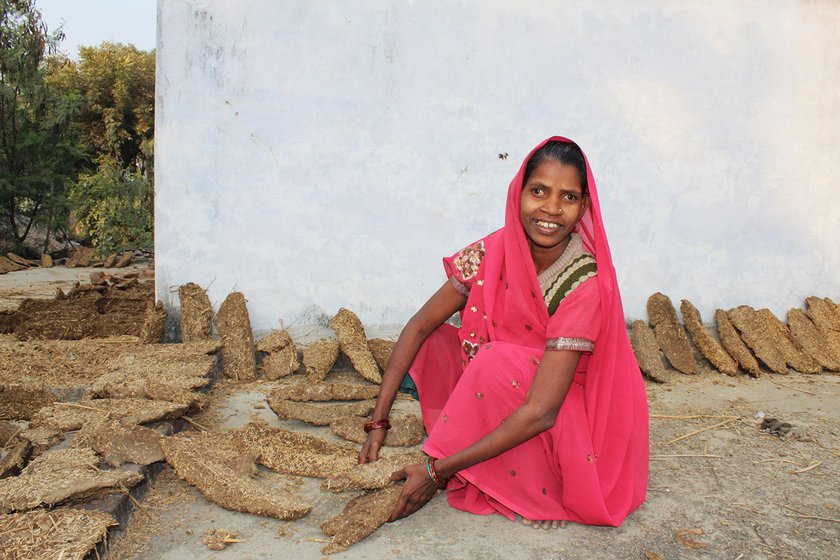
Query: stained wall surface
<point x="318" y="155"/>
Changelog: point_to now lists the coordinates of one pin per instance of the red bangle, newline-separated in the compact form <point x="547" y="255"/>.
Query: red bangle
<point x="430" y="468"/>
<point x="377" y="425"/>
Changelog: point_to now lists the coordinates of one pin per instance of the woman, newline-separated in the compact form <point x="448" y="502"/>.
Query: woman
<point x="535" y="406"/>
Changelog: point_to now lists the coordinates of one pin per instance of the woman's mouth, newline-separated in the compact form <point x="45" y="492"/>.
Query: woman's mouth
<point x="546" y="228"/>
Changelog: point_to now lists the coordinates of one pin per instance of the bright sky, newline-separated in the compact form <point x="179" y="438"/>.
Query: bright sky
<point x="90" y="22"/>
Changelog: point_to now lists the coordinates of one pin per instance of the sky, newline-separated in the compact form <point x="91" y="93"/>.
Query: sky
<point x="90" y="22"/>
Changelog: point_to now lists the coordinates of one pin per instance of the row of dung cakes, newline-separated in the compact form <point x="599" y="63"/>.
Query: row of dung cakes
<point x="80" y="257"/>
<point x="277" y="349"/>
<point x="748" y="340"/>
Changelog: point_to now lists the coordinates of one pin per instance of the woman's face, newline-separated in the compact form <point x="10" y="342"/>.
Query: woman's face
<point x="552" y="204"/>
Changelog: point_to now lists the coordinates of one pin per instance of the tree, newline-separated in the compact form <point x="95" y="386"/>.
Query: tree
<point x="39" y="156"/>
<point x="114" y="200"/>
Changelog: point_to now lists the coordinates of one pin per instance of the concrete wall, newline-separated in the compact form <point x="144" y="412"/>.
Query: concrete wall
<point x="316" y="155"/>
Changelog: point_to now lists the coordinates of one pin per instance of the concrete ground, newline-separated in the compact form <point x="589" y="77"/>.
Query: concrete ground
<point x="732" y="504"/>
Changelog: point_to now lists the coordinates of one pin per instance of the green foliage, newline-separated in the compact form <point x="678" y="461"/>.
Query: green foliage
<point x="39" y="157"/>
<point x="114" y="206"/>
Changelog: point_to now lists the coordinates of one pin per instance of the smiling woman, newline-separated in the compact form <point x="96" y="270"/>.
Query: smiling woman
<point x="531" y="393"/>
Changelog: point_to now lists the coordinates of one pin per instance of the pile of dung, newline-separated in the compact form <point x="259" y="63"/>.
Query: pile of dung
<point x="319" y="358"/>
<point x="282" y="357"/>
<point x="66" y="475"/>
<point x="372" y="476"/>
<point x="99" y="311"/>
<point x="68" y="534"/>
<point x="26" y="263"/>
<point x="21" y="402"/>
<point x="647" y="352"/>
<point x="118" y="443"/>
<point x="405" y="430"/>
<point x="154" y="324"/>
<point x="361" y="517"/>
<point x="670" y="333"/>
<point x="381" y="350"/>
<point x="353" y="342"/>
<point x="319" y="414"/>
<point x="72" y="416"/>
<point x="705" y="342"/>
<point x="734" y="346"/>
<point x="196" y="313"/>
<point x="234" y="325"/>
<point x="223" y="471"/>
<point x="810" y="340"/>
<point x="46" y="261"/>
<point x="297" y="390"/>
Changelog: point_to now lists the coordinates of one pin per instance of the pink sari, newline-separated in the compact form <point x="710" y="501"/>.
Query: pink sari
<point x="592" y="466"/>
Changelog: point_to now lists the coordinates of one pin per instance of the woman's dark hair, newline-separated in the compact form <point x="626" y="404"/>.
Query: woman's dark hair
<point x="561" y="152"/>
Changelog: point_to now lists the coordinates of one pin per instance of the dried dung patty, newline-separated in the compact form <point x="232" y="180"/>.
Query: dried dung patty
<point x="372" y="476"/>
<point x="319" y="358"/>
<point x="13" y="455"/>
<point x="351" y="337"/>
<point x="154" y="323"/>
<point x="124" y="259"/>
<point x="670" y="333"/>
<point x="734" y="346"/>
<point x="62" y="476"/>
<point x="705" y="342"/>
<point x="20" y="260"/>
<point x="405" y="430"/>
<point x="810" y="340"/>
<point x="381" y="350"/>
<point x="319" y="414"/>
<point x="234" y="325"/>
<point x="794" y="357"/>
<point x="826" y="317"/>
<point x="69" y="534"/>
<point x="295" y="453"/>
<point x="72" y="416"/>
<point x="647" y="352"/>
<point x="8" y="265"/>
<point x="46" y="261"/>
<point x="41" y="439"/>
<point x="282" y="358"/>
<point x="21" y="402"/>
<point x="224" y="473"/>
<point x="325" y="391"/>
<point x="121" y="385"/>
<point x="361" y="517"/>
<point x="196" y="313"/>
<point x="769" y="340"/>
<point x="118" y="443"/>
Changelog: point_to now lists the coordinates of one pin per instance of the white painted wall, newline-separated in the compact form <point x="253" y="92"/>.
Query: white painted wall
<point x="321" y="154"/>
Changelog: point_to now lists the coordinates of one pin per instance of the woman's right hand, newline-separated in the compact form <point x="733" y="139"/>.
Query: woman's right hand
<point x="373" y="443"/>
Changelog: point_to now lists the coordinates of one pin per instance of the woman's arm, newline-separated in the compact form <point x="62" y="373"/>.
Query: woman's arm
<point x="537" y="414"/>
<point x="438" y="309"/>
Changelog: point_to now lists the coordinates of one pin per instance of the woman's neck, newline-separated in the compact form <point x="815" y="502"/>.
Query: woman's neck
<point x="544" y="257"/>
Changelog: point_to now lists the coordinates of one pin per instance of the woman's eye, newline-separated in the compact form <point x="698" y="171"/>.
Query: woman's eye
<point x="537" y="191"/>
<point x="571" y="197"/>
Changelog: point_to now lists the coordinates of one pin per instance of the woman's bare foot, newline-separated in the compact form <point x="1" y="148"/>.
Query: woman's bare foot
<point x="547" y="524"/>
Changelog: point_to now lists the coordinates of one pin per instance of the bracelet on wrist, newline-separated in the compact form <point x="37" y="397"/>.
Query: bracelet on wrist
<point x="377" y="425"/>
<point x="430" y="469"/>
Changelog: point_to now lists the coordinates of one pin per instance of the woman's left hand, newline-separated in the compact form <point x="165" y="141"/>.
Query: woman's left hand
<point x="417" y="491"/>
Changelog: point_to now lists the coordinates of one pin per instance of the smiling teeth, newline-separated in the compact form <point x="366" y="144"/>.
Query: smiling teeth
<point x="549" y="225"/>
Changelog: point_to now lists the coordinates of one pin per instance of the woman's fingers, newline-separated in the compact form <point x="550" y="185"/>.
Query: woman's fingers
<point x="399" y="475"/>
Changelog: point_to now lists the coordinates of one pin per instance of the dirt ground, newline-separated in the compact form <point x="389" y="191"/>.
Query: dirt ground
<point x="720" y="487"/>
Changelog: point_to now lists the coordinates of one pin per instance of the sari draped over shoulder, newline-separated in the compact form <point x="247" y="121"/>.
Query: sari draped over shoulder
<point x="592" y="466"/>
